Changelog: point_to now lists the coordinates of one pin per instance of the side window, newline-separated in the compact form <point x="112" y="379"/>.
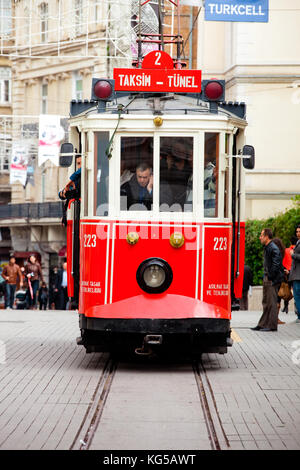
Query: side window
<point x="211" y="167"/>
<point x="86" y="149"/>
<point x="226" y="182"/>
<point x="136" y="174"/>
<point x="176" y="174"/>
<point x="101" y="182"/>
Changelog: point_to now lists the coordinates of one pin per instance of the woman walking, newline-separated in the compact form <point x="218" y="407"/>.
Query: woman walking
<point x="33" y="273"/>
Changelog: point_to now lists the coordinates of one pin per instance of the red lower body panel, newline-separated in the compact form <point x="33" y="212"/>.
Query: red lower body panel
<point x="163" y="306"/>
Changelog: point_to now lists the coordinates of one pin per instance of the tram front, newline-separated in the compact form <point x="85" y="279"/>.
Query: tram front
<point x="161" y="222"/>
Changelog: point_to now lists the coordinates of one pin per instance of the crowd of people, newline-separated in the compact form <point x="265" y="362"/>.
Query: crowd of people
<point x="33" y="292"/>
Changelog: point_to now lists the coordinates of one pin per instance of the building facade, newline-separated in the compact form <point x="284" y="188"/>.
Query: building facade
<point x="261" y="65"/>
<point x="56" y="47"/>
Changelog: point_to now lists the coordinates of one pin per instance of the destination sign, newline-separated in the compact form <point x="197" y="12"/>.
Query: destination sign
<point x="157" y="80"/>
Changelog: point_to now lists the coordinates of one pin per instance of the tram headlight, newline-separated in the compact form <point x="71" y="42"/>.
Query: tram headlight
<point x="154" y="275"/>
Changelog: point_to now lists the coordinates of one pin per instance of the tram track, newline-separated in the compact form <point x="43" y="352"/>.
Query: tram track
<point x="89" y="425"/>
<point x="217" y="437"/>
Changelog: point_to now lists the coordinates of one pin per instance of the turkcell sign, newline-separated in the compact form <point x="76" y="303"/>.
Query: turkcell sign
<point x="157" y="80"/>
<point x="237" y="10"/>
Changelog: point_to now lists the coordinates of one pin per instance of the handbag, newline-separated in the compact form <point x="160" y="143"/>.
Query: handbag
<point x="285" y="291"/>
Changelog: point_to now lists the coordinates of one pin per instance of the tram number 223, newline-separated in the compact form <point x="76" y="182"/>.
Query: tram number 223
<point x="220" y="243"/>
<point x="89" y="241"/>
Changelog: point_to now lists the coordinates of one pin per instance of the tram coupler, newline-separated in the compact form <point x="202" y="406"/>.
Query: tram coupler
<point x="153" y="339"/>
<point x="146" y="349"/>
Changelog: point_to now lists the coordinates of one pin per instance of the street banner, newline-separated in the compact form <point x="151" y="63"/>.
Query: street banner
<point x="237" y="10"/>
<point x="50" y="135"/>
<point x="19" y="161"/>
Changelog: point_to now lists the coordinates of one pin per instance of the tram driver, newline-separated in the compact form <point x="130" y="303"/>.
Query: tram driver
<point x="137" y="193"/>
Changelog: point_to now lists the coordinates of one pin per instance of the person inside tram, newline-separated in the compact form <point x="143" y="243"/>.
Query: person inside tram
<point x="126" y="173"/>
<point x="73" y="184"/>
<point x="137" y="193"/>
<point x="210" y="175"/>
<point x="176" y="171"/>
<point x="138" y="190"/>
<point x="179" y="176"/>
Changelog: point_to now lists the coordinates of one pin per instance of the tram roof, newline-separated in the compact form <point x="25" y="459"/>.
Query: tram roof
<point x="160" y="103"/>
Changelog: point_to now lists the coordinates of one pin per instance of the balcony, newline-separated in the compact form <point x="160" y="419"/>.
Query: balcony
<point x="31" y="211"/>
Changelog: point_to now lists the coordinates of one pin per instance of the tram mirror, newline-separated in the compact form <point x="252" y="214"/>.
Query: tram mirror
<point x="66" y="155"/>
<point x="249" y="159"/>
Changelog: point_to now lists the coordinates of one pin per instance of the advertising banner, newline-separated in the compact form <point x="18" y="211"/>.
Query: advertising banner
<point x="50" y="135"/>
<point x="19" y="161"/>
<point x="237" y="10"/>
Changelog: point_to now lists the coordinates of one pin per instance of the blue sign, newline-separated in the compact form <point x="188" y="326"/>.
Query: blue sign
<point x="237" y="10"/>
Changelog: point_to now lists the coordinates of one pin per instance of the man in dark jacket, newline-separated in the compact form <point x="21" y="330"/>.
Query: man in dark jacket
<point x="62" y="287"/>
<point x="137" y="193"/>
<point x="273" y="276"/>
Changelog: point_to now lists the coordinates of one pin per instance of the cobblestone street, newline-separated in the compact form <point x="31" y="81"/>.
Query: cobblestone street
<point x="47" y="384"/>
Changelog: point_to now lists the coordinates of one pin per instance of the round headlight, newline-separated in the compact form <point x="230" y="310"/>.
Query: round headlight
<point x="154" y="275"/>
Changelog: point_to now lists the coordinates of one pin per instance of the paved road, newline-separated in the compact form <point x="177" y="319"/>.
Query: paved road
<point x="47" y="385"/>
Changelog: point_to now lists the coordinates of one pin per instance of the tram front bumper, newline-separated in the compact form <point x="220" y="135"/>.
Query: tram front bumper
<point x="193" y="334"/>
<point x="179" y="322"/>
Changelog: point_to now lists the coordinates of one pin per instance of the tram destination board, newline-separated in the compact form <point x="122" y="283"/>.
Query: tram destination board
<point x="157" y="80"/>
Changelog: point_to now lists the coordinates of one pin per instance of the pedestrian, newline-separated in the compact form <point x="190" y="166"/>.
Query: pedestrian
<point x="34" y="274"/>
<point x="294" y="275"/>
<point x="62" y="287"/>
<point x="11" y="272"/>
<point x="247" y="284"/>
<point x="43" y="296"/>
<point x="281" y="247"/>
<point x="287" y="264"/>
<point x="53" y="290"/>
<point x="273" y="276"/>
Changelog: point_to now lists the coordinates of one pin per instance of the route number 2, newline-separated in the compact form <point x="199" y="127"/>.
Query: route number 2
<point x="158" y="56"/>
<point x="220" y="243"/>
<point x="90" y="241"/>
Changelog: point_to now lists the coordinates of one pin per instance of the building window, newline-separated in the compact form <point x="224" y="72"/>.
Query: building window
<point x="44" y="98"/>
<point x="5" y="17"/>
<point x="77" y="86"/>
<point x="5" y="85"/>
<point x="78" y="10"/>
<point x="5" y="151"/>
<point x="44" y="22"/>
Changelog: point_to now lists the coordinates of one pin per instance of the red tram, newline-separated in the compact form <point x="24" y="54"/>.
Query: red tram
<point x="156" y="237"/>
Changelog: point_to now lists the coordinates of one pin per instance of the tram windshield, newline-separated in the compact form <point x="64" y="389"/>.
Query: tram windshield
<point x="175" y="174"/>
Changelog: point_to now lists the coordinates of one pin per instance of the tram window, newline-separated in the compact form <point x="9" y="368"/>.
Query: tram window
<point x="226" y="183"/>
<point x="211" y="166"/>
<point x="86" y="149"/>
<point x="176" y="174"/>
<point x="101" y="173"/>
<point x="136" y="173"/>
